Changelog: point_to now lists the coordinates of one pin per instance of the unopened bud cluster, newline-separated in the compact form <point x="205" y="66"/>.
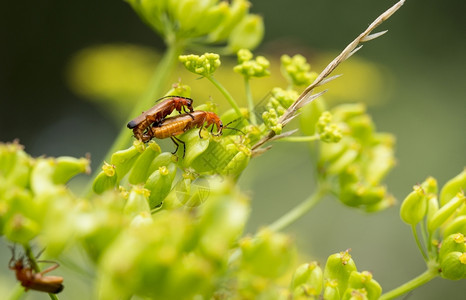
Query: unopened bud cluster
<point x="297" y="70"/>
<point x="279" y="101"/>
<point x="340" y="279"/>
<point x="249" y="67"/>
<point x="358" y="158"/>
<point x="206" y="22"/>
<point x="204" y="65"/>
<point x="445" y="216"/>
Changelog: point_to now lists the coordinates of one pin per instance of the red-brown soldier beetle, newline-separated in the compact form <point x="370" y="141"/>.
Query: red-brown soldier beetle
<point x="32" y="280"/>
<point x="158" y="112"/>
<point x="170" y="127"/>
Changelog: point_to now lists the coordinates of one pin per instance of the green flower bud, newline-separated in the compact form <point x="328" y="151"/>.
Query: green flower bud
<point x="458" y="224"/>
<point x="342" y="162"/>
<point x="454" y="242"/>
<point x="430" y="186"/>
<point x="359" y="195"/>
<point x="66" y="167"/>
<point x="244" y="55"/>
<point x="365" y="281"/>
<point x="194" y="147"/>
<point x="268" y="254"/>
<point x="159" y="184"/>
<point x="445" y="212"/>
<point x="20" y="173"/>
<point x="140" y="170"/>
<point x="190" y="13"/>
<point x="247" y="34"/>
<point x="453" y="266"/>
<point x="105" y="180"/>
<point x="212" y="18"/>
<point x="138" y="202"/>
<point x="204" y="65"/>
<point x="123" y="160"/>
<point x="163" y="159"/>
<point x="339" y="267"/>
<point x="20" y="229"/>
<point x="432" y="205"/>
<point x="331" y="291"/>
<point x="41" y="177"/>
<point x="10" y="155"/>
<point x="142" y="219"/>
<point x="414" y="206"/>
<point x="237" y="11"/>
<point x="381" y="162"/>
<point x="385" y="203"/>
<point x="329" y="132"/>
<point x="362" y="127"/>
<point x="252" y="68"/>
<point x="345" y="112"/>
<point x="331" y="152"/>
<point x="452" y="187"/>
<point x="296" y="70"/>
<point x="355" y="294"/>
<point x="239" y="162"/>
<point x="307" y="278"/>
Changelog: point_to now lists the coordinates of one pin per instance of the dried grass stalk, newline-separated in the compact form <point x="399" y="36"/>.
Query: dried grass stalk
<point x="306" y="96"/>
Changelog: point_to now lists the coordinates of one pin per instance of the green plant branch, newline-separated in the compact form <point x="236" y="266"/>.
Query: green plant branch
<point x="299" y="210"/>
<point x="53" y="296"/>
<point x="226" y="94"/>
<point x="425" y="277"/>
<point x="252" y="115"/>
<point x="156" y="84"/>
<point x="418" y="242"/>
<point x="309" y="138"/>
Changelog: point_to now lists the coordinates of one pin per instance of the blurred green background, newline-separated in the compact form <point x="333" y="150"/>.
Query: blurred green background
<point x="412" y="78"/>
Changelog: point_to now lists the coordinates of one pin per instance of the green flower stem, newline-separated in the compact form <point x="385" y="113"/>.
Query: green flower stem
<point x="158" y="81"/>
<point x="309" y="138"/>
<point x="299" y="210"/>
<point x="226" y="94"/>
<point x="53" y="296"/>
<point x="30" y="256"/>
<point x="252" y="115"/>
<point x="425" y="277"/>
<point x="418" y="242"/>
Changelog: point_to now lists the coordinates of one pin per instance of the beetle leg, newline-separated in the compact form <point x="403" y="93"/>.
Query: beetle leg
<point x="175" y="139"/>
<point x="49" y="269"/>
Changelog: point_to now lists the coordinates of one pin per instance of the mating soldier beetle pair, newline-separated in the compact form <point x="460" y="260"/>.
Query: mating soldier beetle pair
<point x="32" y="280"/>
<point x="153" y="122"/>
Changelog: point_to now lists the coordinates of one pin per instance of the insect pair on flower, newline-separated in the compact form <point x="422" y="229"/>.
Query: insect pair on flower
<point x="154" y="122"/>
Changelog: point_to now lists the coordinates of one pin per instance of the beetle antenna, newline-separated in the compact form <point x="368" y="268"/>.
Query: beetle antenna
<point x="232" y="128"/>
<point x="172" y="96"/>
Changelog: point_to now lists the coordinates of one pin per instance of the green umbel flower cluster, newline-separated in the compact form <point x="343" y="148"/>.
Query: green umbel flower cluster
<point x="357" y="163"/>
<point x="203" y="22"/>
<point x="156" y="171"/>
<point x="445" y="216"/>
<point x="339" y="280"/>
<point x="32" y="191"/>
